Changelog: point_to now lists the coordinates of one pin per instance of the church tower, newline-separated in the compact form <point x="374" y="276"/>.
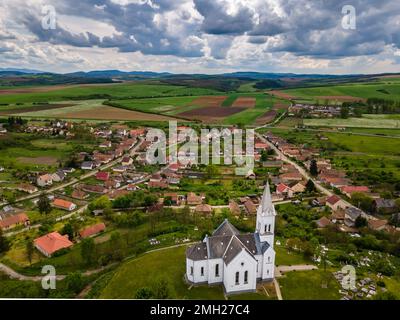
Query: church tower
<point x="265" y="224"/>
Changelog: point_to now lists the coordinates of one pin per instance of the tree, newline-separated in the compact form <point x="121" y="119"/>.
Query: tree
<point x="344" y="112"/>
<point x="387" y="295"/>
<point x="314" y="168"/>
<point x="310" y="186"/>
<point x="74" y="282"/>
<point x="211" y="171"/>
<point x="100" y="203"/>
<point x="362" y="201"/>
<point x="264" y="155"/>
<point x="88" y="251"/>
<point x="30" y="249"/>
<point x="162" y="289"/>
<point x="144" y="293"/>
<point x="361" y="222"/>
<point x="68" y="230"/>
<point x="4" y="244"/>
<point x="44" y="204"/>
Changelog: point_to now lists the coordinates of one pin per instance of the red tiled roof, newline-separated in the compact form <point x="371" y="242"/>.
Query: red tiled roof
<point x="333" y="199"/>
<point x="62" y="203"/>
<point x="92" y="230"/>
<point x="352" y="189"/>
<point x="13" y="220"/>
<point x="53" y="242"/>
<point x="281" y="187"/>
<point x="102" y="176"/>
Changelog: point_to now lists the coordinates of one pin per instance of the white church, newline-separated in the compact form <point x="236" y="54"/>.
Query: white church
<point x="236" y="260"/>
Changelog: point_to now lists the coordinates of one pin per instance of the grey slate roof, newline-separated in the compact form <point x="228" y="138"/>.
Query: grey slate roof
<point x="197" y="252"/>
<point x="226" y="229"/>
<point x="217" y="245"/>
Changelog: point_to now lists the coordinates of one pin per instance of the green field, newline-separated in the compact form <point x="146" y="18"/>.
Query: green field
<point x="309" y="285"/>
<point x="367" y="90"/>
<point x="81" y="92"/>
<point x="367" y="121"/>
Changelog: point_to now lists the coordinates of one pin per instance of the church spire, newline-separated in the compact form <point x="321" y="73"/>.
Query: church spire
<point x="266" y="201"/>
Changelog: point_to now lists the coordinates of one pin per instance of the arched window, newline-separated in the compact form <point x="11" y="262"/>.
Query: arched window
<point x="237" y="278"/>
<point x="191" y="271"/>
<point x="265" y="229"/>
<point x="217" y="270"/>
<point x="246" y="276"/>
<point x="269" y="228"/>
<point x="269" y="259"/>
<point x="202" y="271"/>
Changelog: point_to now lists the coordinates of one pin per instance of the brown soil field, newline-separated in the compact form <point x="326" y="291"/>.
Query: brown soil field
<point x="209" y="101"/>
<point x="280" y="106"/>
<point x="341" y="98"/>
<point x="281" y="94"/>
<point x="49" y="161"/>
<point x="246" y="102"/>
<point x="34" y="108"/>
<point x="211" y="113"/>
<point x="111" y="113"/>
<point x="266" y="117"/>
<point x="52" y="88"/>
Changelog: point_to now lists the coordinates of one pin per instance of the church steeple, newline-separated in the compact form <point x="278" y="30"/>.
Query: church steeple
<point x="267" y="207"/>
<point x="265" y="224"/>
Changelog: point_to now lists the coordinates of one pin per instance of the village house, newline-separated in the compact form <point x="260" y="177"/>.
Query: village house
<point x="64" y="205"/>
<point x="298" y="187"/>
<point x="58" y="176"/>
<point x="79" y="194"/>
<point x="162" y="184"/>
<point x="112" y="184"/>
<point x="94" y="189"/>
<point x="335" y="202"/>
<point x="384" y="206"/>
<point x="44" y="180"/>
<point x="272" y="164"/>
<point x="203" y="209"/>
<point x="114" y="194"/>
<point x="377" y="225"/>
<point x="14" y="221"/>
<point x="92" y="230"/>
<point x="291" y="176"/>
<point x="26" y="187"/>
<point x="173" y="178"/>
<point x="234" y="208"/>
<point x="283" y="189"/>
<point x="250" y="207"/>
<point x="105" y="144"/>
<point x="193" y="200"/>
<point x="351" y="215"/>
<point x="102" y="176"/>
<point x="349" y="190"/>
<point x="126" y="161"/>
<point x="176" y="200"/>
<point x="323" y="222"/>
<point x="338" y="216"/>
<point x="87" y="165"/>
<point x="51" y="243"/>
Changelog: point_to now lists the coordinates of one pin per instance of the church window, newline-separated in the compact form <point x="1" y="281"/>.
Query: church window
<point x="265" y="229"/>
<point x="217" y="270"/>
<point x="202" y="271"/>
<point x="191" y="271"/>
<point x="269" y="259"/>
<point x="269" y="228"/>
<point x="246" y="276"/>
<point x="237" y="278"/>
<point x="267" y="272"/>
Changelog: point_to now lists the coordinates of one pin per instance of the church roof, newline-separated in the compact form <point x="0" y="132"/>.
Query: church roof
<point x="217" y="245"/>
<point x="226" y="229"/>
<point x="197" y="252"/>
<point x="234" y="248"/>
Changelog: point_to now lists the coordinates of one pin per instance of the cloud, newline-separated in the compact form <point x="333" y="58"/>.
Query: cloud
<point x="213" y="34"/>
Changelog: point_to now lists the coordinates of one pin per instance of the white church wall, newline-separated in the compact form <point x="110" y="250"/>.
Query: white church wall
<point x="212" y="276"/>
<point x="200" y="271"/>
<point x="241" y="263"/>
<point x="268" y="268"/>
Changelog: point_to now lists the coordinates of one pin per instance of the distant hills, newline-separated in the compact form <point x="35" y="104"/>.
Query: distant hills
<point x="223" y="82"/>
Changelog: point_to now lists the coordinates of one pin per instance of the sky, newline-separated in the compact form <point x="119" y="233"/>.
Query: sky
<point x="201" y="36"/>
